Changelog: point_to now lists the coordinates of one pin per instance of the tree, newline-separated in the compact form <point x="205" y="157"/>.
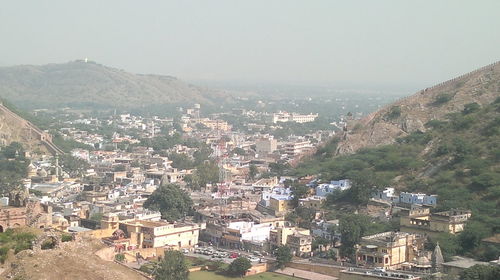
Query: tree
<point x="172" y="266"/>
<point x="448" y="243"/>
<point x="472" y="235"/>
<point x="13" y="167"/>
<point x="181" y="161"/>
<point x="171" y="201"/>
<point x="353" y="227"/>
<point x="283" y="256"/>
<point x="252" y="171"/>
<point x="239" y="266"/>
<point x="302" y="216"/>
<point x="278" y="168"/>
<point x="299" y="191"/>
<point x="239" y="151"/>
<point x="73" y="165"/>
<point x="351" y="232"/>
<point x="207" y="173"/>
<point x="481" y="272"/>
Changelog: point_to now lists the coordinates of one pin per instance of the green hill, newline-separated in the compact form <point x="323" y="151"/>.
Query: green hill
<point x="456" y="156"/>
<point x="91" y="85"/>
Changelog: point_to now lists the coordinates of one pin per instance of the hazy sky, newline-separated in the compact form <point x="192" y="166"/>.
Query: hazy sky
<point x="372" y="42"/>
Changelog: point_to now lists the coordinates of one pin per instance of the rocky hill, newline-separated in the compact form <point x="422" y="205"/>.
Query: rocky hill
<point x="91" y="85"/>
<point x="14" y="128"/>
<point x="69" y="260"/>
<point x="444" y="140"/>
<point x="411" y="114"/>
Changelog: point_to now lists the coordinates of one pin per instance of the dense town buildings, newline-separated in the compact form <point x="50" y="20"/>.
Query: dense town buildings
<point x="248" y="205"/>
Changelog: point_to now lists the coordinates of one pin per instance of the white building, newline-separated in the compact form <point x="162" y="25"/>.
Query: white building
<point x="387" y="195"/>
<point x="325" y="189"/>
<point x="296" y="148"/>
<point x="293" y="117"/>
<point x="418" y="198"/>
<point x="326" y="229"/>
<point x="251" y="231"/>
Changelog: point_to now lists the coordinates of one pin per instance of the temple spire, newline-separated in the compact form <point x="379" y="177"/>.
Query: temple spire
<point x="437" y="259"/>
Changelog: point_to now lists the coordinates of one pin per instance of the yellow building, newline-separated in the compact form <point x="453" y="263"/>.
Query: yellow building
<point x="388" y="249"/>
<point x="215" y="124"/>
<point x="300" y="244"/>
<point x="419" y="219"/>
<point x="280" y="204"/>
<point x="279" y="235"/>
<point x="314" y="202"/>
<point x="149" y="234"/>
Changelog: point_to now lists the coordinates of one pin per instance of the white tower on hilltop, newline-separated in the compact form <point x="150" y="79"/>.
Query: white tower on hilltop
<point x="86" y="59"/>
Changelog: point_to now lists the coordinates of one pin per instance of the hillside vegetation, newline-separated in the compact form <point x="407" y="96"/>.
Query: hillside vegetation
<point x="410" y="114"/>
<point x="91" y="85"/>
<point x="457" y="158"/>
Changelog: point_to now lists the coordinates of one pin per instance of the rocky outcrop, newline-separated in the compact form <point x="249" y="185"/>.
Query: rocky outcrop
<point x="410" y="114"/>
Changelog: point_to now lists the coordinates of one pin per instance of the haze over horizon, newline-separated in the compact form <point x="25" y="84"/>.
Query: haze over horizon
<point x="387" y="43"/>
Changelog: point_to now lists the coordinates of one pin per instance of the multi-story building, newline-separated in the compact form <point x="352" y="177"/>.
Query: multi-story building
<point x="389" y="249"/>
<point x="280" y="236"/>
<point x="386" y="195"/>
<point x="417" y="198"/>
<point x="325" y="189"/>
<point x="238" y="232"/>
<point x="300" y="244"/>
<point x="215" y="124"/>
<point x="293" y="149"/>
<point x="280" y="204"/>
<point x="419" y="219"/>
<point x="266" y="145"/>
<point x="299" y="118"/>
<point x="293" y="117"/>
<point x="314" y="202"/>
<point x="150" y="234"/>
<point x="327" y="230"/>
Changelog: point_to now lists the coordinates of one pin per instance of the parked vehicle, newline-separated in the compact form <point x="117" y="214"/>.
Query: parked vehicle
<point x="253" y="259"/>
<point x="257" y="253"/>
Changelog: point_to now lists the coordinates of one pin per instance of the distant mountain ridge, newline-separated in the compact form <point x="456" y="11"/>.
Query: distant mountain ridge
<point x="411" y="113"/>
<point x="88" y="84"/>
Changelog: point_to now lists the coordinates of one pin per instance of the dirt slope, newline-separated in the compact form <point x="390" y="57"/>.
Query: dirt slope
<point x="73" y="260"/>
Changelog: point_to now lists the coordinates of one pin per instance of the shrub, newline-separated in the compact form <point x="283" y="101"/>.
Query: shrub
<point x="394" y="113"/>
<point x="435" y="124"/>
<point x="3" y="254"/>
<point x="471" y="108"/>
<point x="48" y="244"/>
<point x="119" y="257"/>
<point x="66" y="238"/>
<point x="442" y="98"/>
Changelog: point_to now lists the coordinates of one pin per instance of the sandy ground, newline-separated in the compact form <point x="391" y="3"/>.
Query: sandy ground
<point x="305" y="274"/>
<point x="73" y="260"/>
